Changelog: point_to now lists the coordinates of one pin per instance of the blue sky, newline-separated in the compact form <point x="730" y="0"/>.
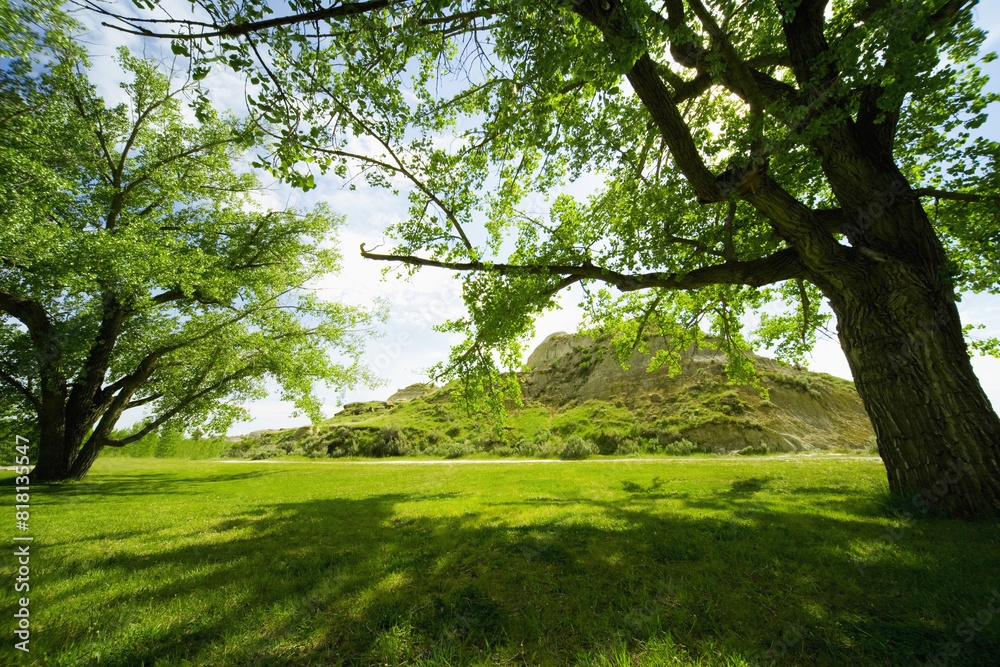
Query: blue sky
<point x="410" y="345"/>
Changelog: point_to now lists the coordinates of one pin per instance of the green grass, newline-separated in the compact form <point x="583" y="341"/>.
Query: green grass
<point x="676" y="562"/>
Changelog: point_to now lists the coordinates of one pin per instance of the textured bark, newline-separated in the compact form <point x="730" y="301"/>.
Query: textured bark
<point x="85" y="459"/>
<point x="54" y="459"/>
<point x="55" y="455"/>
<point x="937" y="433"/>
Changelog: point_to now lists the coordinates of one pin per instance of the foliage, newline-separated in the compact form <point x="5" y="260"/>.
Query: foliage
<point x="732" y="161"/>
<point x="390" y="441"/>
<point x="561" y="91"/>
<point x="679" y="447"/>
<point x="577" y="448"/>
<point x="139" y="271"/>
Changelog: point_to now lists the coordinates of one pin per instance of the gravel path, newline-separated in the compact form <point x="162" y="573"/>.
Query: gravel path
<point x="686" y="459"/>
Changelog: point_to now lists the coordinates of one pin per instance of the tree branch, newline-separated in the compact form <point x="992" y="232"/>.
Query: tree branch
<point x="782" y="265"/>
<point x="170" y="414"/>
<point x="13" y="382"/>
<point x="232" y="30"/>
<point x="955" y="196"/>
<point x="142" y="401"/>
<point x="30" y="313"/>
<point x="85" y="403"/>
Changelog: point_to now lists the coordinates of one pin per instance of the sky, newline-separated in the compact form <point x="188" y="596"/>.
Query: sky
<point x="409" y="345"/>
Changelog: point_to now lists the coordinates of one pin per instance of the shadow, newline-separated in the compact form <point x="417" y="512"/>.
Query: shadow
<point x="634" y="488"/>
<point x="145" y="483"/>
<point x="744" y="488"/>
<point x="372" y="580"/>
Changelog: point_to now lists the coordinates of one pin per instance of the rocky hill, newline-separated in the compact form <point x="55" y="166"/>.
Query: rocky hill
<point x="578" y="400"/>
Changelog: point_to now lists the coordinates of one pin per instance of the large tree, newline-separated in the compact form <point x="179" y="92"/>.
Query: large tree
<point x="770" y="150"/>
<point x="138" y="271"/>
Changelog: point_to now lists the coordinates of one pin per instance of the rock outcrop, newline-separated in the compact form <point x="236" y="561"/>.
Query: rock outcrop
<point x="418" y="390"/>
<point x="803" y="410"/>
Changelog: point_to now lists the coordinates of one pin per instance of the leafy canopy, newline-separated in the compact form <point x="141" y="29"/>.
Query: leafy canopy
<point x="484" y="112"/>
<point x="138" y="269"/>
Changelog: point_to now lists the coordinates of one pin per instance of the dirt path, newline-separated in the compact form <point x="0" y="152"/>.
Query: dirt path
<point x="686" y="459"/>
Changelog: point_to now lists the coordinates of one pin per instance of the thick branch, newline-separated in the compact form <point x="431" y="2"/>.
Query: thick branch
<point x="86" y="400"/>
<point x="655" y="96"/>
<point x="804" y="34"/>
<point x="30" y="313"/>
<point x="783" y="265"/>
<point x="955" y="196"/>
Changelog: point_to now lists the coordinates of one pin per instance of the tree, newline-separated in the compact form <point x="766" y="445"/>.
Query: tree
<point x="788" y="151"/>
<point x="137" y="270"/>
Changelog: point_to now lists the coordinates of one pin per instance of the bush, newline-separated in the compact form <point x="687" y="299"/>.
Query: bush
<point x="527" y="448"/>
<point x="576" y="447"/>
<point x="680" y="447"/>
<point x="667" y="436"/>
<point x="313" y="447"/>
<point x="609" y="442"/>
<point x="263" y="452"/>
<point x="731" y="403"/>
<point x="390" y="441"/>
<point x="487" y="442"/>
<point x="628" y="446"/>
<point x="451" y="450"/>
<point x="543" y="436"/>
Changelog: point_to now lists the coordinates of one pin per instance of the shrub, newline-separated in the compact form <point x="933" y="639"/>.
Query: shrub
<point x="313" y="447"/>
<point x="666" y="436"/>
<point x="451" y="450"/>
<point x="390" y="441"/>
<point x="454" y="431"/>
<point x="487" y="442"/>
<point x="262" y="452"/>
<point x="609" y="442"/>
<point x="731" y="403"/>
<point x="576" y="447"/>
<point x="528" y="448"/>
<point x="628" y="446"/>
<point x="680" y="447"/>
<point x="342" y="442"/>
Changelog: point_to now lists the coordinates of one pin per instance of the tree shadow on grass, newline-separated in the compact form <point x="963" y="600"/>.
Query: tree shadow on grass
<point x="361" y="582"/>
<point x="144" y="483"/>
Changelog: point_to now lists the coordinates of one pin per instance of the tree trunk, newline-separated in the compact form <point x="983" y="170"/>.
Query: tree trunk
<point x="60" y="460"/>
<point x="937" y="432"/>
<point x="56" y="456"/>
<point x="85" y="459"/>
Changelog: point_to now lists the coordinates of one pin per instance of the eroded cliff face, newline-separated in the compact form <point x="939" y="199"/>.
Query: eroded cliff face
<point x="803" y="410"/>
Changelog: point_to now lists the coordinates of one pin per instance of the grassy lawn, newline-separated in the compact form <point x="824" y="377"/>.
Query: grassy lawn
<point x="690" y="562"/>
